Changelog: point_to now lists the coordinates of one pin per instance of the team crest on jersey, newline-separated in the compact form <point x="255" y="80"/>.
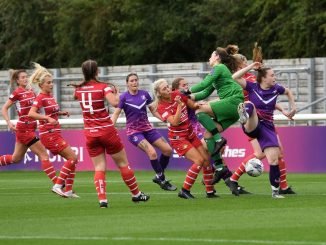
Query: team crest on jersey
<point x="143" y="97"/>
<point x="135" y="138"/>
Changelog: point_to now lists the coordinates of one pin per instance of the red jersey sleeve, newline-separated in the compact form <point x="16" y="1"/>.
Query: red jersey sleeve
<point x="38" y="102"/>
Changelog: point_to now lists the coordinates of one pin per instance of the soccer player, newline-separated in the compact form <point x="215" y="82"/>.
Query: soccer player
<point x="140" y="132"/>
<point x="22" y="97"/>
<point x="256" y="117"/>
<point x="101" y="135"/>
<point x="172" y="107"/>
<point x="50" y="132"/>
<point x="217" y="115"/>
<point x="258" y="153"/>
<point x="182" y="85"/>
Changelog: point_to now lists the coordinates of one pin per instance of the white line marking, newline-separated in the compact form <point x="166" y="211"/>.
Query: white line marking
<point x="169" y="239"/>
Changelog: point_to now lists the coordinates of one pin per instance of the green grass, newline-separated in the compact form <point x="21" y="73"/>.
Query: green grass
<point x="31" y="214"/>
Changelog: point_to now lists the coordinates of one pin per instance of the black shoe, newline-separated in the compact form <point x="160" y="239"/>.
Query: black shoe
<point x="233" y="186"/>
<point x="157" y="180"/>
<point x="103" y="204"/>
<point x="219" y="174"/>
<point x="219" y="145"/>
<point x="185" y="194"/>
<point x="166" y="185"/>
<point x="287" y="191"/>
<point x="141" y="198"/>
<point x="242" y="190"/>
<point x="212" y="194"/>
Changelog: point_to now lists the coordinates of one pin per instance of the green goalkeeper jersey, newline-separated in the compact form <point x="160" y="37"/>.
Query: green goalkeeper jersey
<point x="220" y="79"/>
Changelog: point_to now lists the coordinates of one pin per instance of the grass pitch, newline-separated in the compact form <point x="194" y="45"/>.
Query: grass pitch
<point x="31" y="214"/>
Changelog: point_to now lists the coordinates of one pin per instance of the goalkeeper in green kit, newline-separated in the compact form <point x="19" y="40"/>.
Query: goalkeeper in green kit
<point x="217" y="115"/>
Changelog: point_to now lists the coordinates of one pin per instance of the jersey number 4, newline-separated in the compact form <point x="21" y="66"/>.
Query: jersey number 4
<point x="89" y="102"/>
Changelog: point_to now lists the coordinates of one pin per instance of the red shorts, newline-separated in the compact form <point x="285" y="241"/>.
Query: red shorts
<point x="54" y="142"/>
<point x="25" y="137"/>
<point x="110" y="143"/>
<point x="183" y="145"/>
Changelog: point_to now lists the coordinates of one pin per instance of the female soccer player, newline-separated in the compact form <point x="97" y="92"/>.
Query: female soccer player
<point x="256" y="116"/>
<point x="50" y="132"/>
<point x="140" y="131"/>
<point x="172" y="107"/>
<point x="182" y="85"/>
<point x="284" y="188"/>
<point x="22" y="97"/>
<point x="223" y="110"/>
<point x="101" y="135"/>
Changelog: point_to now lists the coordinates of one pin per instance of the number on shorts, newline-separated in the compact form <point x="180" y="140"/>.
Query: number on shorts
<point x="89" y="102"/>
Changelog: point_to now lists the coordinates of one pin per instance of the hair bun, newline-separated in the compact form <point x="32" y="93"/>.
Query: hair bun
<point x="232" y="49"/>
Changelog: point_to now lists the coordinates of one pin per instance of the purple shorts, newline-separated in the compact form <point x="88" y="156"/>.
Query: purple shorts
<point x="198" y="130"/>
<point x="151" y="136"/>
<point x="265" y="134"/>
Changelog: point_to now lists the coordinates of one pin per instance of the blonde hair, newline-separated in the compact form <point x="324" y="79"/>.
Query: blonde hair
<point x="38" y="75"/>
<point x="156" y="92"/>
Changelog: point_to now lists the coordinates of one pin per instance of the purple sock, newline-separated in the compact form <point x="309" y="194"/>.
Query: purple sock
<point x="249" y="108"/>
<point x="274" y="175"/>
<point x="164" y="161"/>
<point x="157" y="167"/>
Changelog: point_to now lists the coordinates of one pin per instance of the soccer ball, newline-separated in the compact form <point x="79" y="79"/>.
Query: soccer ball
<point x="254" y="167"/>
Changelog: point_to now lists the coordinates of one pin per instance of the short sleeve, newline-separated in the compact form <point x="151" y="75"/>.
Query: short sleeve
<point x="38" y="102"/>
<point x="280" y="89"/>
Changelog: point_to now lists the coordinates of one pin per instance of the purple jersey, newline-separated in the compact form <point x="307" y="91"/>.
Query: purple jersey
<point x="264" y="100"/>
<point x="135" y="108"/>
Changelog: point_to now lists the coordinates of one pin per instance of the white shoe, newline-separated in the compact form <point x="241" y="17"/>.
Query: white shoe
<point x="58" y="191"/>
<point x="71" y="194"/>
<point x="276" y="194"/>
<point x="243" y="115"/>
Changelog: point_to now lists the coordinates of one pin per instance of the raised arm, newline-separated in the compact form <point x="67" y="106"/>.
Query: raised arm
<point x="237" y="76"/>
<point x="113" y="98"/>
<point x="175" y="119"/>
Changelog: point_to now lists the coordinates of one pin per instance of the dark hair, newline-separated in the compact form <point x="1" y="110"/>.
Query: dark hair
<point x="176" y="83"/>
<point x="89" y="68"/>
<point x="14" y="75"/>
<point x="226" y="56"/>
<point x="131" y="74"/>
<point x="261" y="72"/>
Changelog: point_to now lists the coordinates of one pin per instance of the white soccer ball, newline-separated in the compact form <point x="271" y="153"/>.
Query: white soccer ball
<point x="254" y="167"/>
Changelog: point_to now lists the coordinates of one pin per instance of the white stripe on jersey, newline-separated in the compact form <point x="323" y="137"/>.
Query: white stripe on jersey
<point x="109" y="125"/>
<point x="103" y="118"/>
<point x="97" y="110"/>
<point x="88" y="91"/>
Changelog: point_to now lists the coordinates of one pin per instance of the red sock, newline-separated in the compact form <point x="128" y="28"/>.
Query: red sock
<point x="49" y="170"/>
<point x="65" y="171"/>
<point x="5" y="160"/>
<point x="70" y="179"/>
<point x="208" y="177"/>
<point x="283" y="183"/>
<point x="241" y="169"/>
<point x="129" y="178"/>
<point x="191" y="176"/>
<point x="100" y="185"/>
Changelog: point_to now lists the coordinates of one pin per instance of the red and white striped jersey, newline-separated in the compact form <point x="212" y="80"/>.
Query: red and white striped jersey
<point x="91" y="97"/>
<point x="45" y="103"/>
<point x="167" y="109"/>
<point x="23" y="99"/>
